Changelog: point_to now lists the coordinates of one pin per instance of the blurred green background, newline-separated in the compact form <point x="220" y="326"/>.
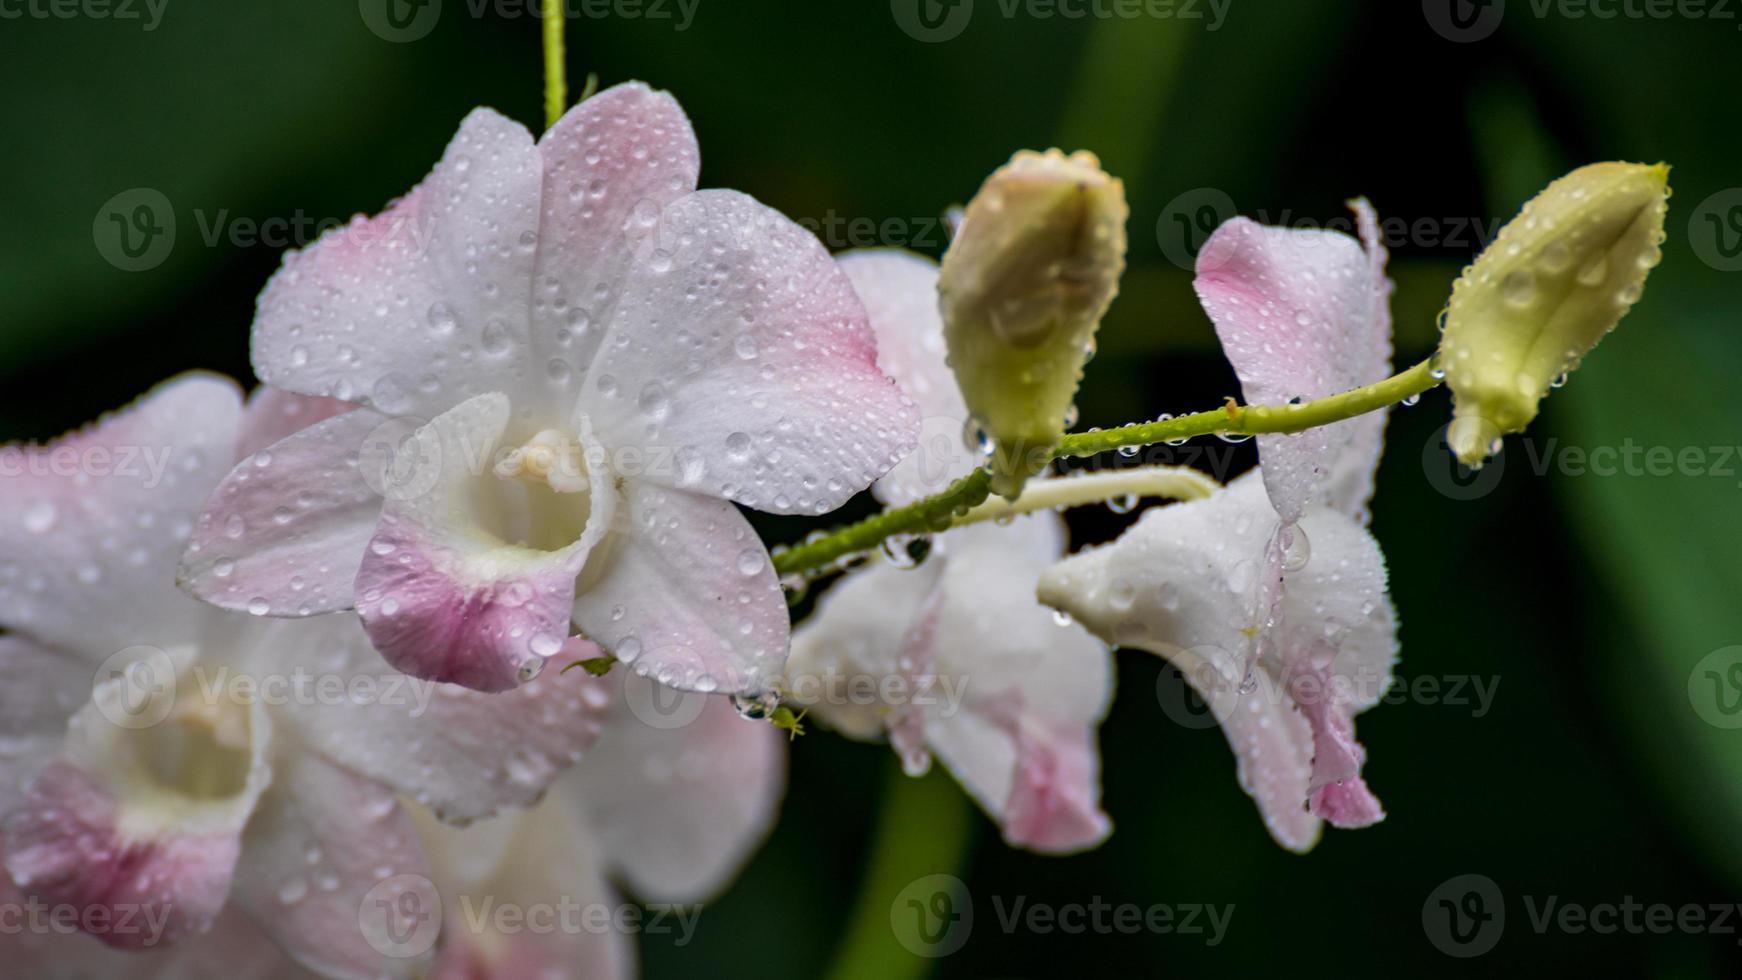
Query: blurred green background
<point x="1585" y="603"/>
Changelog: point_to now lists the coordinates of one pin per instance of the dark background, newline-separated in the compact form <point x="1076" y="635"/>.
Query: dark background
<point x="1594" y="775"/>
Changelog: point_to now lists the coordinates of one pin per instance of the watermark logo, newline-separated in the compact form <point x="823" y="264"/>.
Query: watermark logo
<point x="1464" y="21"/>
<point x="135" y="230"/>
<point x="933" y="916"/>
<point x="135" y="688"/>
<point x="148" y="13"/>
<point x="400" y="21"/>
<point x="401" y="916"/>
<point x="658" y="706"/>
<point x="1188" y="221"/>
<point x="1715" y="230"/>
<point x="932" y="21"/>
<point x="1715" y="688"/>
<point x="1180" y="700"/>
<point x="1465" y="916"/>
<point x="397" y="462"/>
<point x="1451" y="477"/>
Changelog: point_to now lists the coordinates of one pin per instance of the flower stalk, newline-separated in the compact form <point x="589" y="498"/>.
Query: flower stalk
<point x="556" y="83"/>
<point x="956" y="502"/>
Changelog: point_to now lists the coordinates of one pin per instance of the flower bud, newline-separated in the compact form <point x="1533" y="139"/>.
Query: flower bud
<point x="1555" y="280"/>
<point x="1031" y="271"/>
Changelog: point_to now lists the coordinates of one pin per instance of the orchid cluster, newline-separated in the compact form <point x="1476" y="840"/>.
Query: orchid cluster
<point x="503" y="469"/>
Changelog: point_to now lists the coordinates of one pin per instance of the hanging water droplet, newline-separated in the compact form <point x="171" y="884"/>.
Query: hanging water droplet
<point x="907" y="550"/>
<point x="1299" y="551"/>
<point x="977" y="438"/>
<point x="1123" y="504"/>
<point x="757" y="705"/>
<point x="441" y="319"/>
<point x="1061" y="617"/>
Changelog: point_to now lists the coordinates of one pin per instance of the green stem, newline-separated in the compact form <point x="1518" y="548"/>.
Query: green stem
<point x="1166" y="482"/>
<point x="556" y="83"/>
<point x="940" y="511"/>
<point x="1252" y="420"/>
<point x="934" y="513"/>
<point x="902" y="854"/>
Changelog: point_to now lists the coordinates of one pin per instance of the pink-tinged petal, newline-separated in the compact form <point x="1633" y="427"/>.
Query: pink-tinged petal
<point x="1183" y="583"/>
<point x="899" y="290"/>
<point x="463" y="753"/>
<point x="732" y="305"/>
<point x="1341" y="658"/>
<point x="443" y="595"/>
<point x="682" y="590"/>
<point x="273" y="414"/>
<point x="1337" y="791"/>
<point x="544" y="859"/>
<point x="916" y="665"/>
<point x="1349" y="487"/>
<point x="322" y="840"/>
<point x="91" y="524"/>
<point x="375" y="312"/>
<point x="611" y="165"/>
<point x="67" y="845"/>
<point x="1303" y="313"/>
<point x="1055" y="798"/>
<point x="1022" y="740"/>
<point x="678" y="810"/>
<point x="1005" y="697"/>
<point x="39" y="690"/>
<point x="285" y="531"/>
<point x="125" y="828"/>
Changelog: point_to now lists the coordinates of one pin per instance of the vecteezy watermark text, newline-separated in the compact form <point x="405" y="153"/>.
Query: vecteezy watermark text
<point x="935" y="21"/>
<point x="38" y="918"/>
<point x="1465" y="916"/>
<point x="402" y="21"/>
<point x="148" y="13"/>
<point x="933" y="917"/>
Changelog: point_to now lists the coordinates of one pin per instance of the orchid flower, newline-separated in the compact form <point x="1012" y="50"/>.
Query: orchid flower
<point x="584" y="363"/>
<point x="669" y="812"/>
<point x="183" y="778"/>
<point x="1281" y="560"/>
<point x="991" y="683"/>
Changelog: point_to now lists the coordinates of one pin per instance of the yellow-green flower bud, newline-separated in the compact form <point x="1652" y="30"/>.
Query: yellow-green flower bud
<point x="1555" y="280"/>
<point x="1031" y="271"/>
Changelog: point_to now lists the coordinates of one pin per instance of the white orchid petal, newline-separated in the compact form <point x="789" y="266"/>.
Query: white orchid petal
<point x="91" y="524"/>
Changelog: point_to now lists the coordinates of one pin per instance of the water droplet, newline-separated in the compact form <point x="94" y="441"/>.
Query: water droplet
<point x="907" y="550"/>
<point x="441" y="319"/>
<point x="750" y="561"/>
<point x="654" y="402"/>
<point x="1299" y="551"/>
<point x="738" y="446"/>
<point x="977" y="439"/>
<point x="292" y="891"/>
<point x="756" y="706"/>
<point x="39" y="517"/>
